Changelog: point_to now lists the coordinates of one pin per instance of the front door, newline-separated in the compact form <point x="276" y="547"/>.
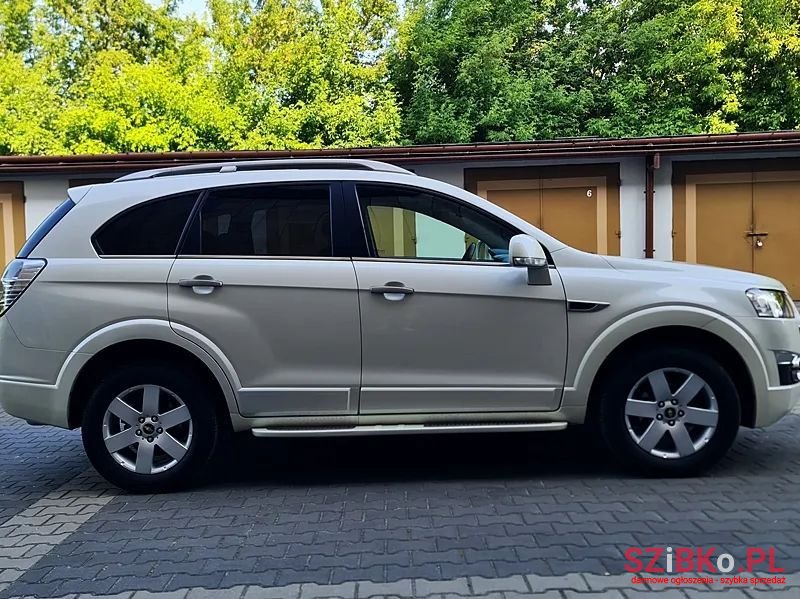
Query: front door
<point x="258" y="278"/>
<point x="447" y="324"/>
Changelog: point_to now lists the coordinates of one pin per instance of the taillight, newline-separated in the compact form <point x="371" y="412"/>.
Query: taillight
<point x="16" y="278"/>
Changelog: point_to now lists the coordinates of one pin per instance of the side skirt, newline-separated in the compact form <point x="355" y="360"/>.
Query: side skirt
<point x="405" y="429"/>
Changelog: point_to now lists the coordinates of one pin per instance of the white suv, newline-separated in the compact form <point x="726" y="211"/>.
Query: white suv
<point x="346" y="297"/>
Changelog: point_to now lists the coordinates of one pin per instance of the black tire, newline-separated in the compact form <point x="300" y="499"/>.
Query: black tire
<point x="185" y="384"/>
<point x="621" y="380"/>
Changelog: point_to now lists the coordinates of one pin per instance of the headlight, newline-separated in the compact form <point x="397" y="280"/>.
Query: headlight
<point x="769" y="303"/>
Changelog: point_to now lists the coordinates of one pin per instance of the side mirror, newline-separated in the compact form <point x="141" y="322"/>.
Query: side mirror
<point x="525" y="251"/>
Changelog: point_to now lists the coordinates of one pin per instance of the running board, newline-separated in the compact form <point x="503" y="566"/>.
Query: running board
<point x="406" y="429"/>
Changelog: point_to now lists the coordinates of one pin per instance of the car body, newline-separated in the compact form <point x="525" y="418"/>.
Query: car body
<point x="328" y="298"/>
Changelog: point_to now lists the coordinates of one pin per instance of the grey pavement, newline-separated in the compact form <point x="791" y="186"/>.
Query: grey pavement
<point x="33" y="462"/>
<point x="452" y="516"/>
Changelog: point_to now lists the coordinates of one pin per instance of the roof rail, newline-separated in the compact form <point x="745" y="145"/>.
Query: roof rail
<point x="233" y="166"/>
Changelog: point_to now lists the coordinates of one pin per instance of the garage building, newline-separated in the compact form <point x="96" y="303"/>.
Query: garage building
<point x="729" y="200"/>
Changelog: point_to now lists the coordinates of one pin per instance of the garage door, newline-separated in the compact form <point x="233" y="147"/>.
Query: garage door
<point x="745" y="221"/>
<point x="12" y="221"/>
<point x="572" y="210"/>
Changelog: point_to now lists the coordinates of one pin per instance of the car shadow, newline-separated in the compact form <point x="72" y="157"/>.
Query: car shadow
<point x="388" y="458"/>
<point x="573" y="453"/>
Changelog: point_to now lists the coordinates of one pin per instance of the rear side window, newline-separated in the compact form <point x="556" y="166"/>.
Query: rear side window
<point x="150" y="229"/>
<point x="264" y="220"/>
<point x="45" y="227"/>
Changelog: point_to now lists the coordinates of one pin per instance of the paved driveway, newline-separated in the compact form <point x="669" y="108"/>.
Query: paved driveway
<point x="470" y="516"/>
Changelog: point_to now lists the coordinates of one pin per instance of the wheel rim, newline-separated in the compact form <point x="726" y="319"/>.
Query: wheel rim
<point x="147" y="429"/>
<point x="671" y="413"/>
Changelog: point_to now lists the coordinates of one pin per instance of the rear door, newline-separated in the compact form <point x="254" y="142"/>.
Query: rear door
<point x="258" y="277"/>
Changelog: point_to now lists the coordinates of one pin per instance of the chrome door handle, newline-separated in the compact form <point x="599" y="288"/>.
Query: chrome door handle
<point x="201" y="284"/>
<point x="392" y="291"/>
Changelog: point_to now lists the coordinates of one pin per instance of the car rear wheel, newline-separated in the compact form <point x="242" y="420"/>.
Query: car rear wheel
<point x="150" y="428"/>
<point x="669" y="411"/>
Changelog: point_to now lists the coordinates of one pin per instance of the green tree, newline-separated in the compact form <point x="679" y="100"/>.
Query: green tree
<point x="29" y="109"/>
<point x="666" y="67"/>
<point x="480" y="70"/>
<point x="307" y="74"/>
<point x="103" y="76"/>
<point x="767" y="65"/>
<point x="92" y="76"/>
<point x="125" y="75"/>
<point x="475" y="70"/>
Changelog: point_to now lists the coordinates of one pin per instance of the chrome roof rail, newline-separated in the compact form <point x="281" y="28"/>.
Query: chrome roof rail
<point x="233" y="166"/>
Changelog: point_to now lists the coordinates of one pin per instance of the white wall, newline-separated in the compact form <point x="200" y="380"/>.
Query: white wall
<point x="631" y="207"/>
<point x="42" y="195"/>
<point x="452" y="173"/>
<point x="662" y="210"/>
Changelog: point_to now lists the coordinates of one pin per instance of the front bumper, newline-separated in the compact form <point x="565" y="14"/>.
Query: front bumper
<point x="779" y="401"/>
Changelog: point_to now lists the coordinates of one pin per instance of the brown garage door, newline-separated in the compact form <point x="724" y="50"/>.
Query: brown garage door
<point x="572" y="210"/>
<point x="745" y="221"/>
<point x="12" y="220"/>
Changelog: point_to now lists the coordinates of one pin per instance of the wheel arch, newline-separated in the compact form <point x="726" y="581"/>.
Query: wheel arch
<point x="152" y="349"/>
<point x="677" y="335"/>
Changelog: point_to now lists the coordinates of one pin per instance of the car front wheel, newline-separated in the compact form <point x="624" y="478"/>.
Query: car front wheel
<point x="670" y="411"/>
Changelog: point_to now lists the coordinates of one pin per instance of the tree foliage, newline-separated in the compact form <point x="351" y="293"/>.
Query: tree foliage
<point x="514" y="69"/>
<point x="85" y="76"/>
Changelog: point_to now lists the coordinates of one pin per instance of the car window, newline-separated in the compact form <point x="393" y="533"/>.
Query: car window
<point x="150" y="229"/>
<point x="411" y="223"/>
<point x="265" y="220"/>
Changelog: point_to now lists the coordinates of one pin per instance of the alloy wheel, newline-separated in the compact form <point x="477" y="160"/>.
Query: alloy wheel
<point x="147" y="429"/>
<point x="671" y="413"/>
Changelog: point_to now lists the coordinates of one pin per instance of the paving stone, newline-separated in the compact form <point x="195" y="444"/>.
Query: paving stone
<point x="424" y="588"/>
<point x="162" y="595"/>
<point x="597" y="582"/>
<point x="316" y="591"/>
<point x="286" y="592"/>
<point x="402" y="588"/>
<point x="728" y="594"/>
<point x="539" y="584"/>
<point x="231" y="593"/>
<point x="482" y="585"/>
<point x="645" y="593"/>
<point x="610" y="594"/>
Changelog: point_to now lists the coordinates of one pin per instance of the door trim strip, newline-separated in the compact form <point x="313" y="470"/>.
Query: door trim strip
<point x="255" y="402"/>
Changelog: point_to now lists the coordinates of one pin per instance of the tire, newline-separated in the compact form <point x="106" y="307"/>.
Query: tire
<point x="629" y="428"/>
<point x="192" y="423"/>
